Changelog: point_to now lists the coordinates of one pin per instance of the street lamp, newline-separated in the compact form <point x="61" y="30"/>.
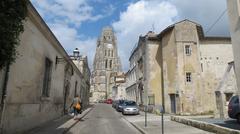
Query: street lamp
<point x="76" y="53"/>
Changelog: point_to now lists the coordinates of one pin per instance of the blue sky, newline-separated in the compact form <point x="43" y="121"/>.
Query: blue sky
<point x="78" y="23"/>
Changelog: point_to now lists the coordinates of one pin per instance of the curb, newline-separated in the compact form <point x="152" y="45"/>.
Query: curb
<point x="67" y="129"/>
<point x="205" y="126"/>
<point x="136" y="126"/>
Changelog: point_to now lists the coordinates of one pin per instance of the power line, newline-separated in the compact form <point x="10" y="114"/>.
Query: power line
<point x="210" y="28"/>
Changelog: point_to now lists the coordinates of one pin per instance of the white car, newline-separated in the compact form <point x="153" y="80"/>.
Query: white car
<point x="130" y="107"/>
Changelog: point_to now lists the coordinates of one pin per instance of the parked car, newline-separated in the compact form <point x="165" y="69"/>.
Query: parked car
<point x="101" y="101"/>
<point x="114" y="103"/>
<point x="130" y="107"/>
<point x="234" y="108"/>
<point x="109" y="101"/>
<point x="119" y="105"/>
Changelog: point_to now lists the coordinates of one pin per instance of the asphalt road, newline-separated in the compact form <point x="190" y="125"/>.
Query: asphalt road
<point x="103" y="119"/>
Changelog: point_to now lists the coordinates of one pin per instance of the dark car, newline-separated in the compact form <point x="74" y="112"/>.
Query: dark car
<point x="130" y="107"/>
<point x="119" y="105"/>
<point x="234" y="108"/>
<point x="114" y="103"/>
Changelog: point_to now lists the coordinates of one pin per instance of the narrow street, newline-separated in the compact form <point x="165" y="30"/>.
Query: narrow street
<point x="103" y="119"/>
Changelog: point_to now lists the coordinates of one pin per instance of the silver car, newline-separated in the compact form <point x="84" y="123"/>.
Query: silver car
<point x="130" y="107"/>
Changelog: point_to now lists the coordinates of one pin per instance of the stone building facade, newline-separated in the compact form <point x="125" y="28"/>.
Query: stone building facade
<point x="134" y="76"/>
<point x="233" y="7"/>
<point x="119" y="86"/>
<point x="183" y="67"/>
<point x="81" y="62"/>
<point x="106" y="61"/>
<point x="42" y="82"/>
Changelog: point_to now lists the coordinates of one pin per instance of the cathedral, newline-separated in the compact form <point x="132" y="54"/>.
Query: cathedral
<point x="106" y="63"/>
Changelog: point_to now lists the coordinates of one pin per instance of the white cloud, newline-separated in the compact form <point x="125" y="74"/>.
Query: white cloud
<point x="65" y="17"/>
<point x="205" y="12"/>
<point x="73" y="12"/>
<point x="71" y="40"/>
<point x="138" y="19"/>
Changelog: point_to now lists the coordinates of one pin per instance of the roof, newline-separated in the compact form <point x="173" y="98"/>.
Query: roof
<point x="170" y="27"/>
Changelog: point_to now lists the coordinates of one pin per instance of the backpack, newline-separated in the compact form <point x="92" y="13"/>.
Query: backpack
<point x="78" y="106"/>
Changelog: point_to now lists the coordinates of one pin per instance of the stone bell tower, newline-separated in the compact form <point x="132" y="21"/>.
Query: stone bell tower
<point x="106" y="62"/>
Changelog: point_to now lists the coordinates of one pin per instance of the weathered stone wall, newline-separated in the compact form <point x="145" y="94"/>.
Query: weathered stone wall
<point x="234" y="21"/>
<point x="25" y="107"/>
<point x="214" y="62"/>
<point x="106" y="61"/>
<point x="154" y="73"/>
<point x="169" y="67"/>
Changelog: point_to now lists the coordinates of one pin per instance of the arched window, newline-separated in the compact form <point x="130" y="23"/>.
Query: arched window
<point x="112" y="53"/>
<point x="106" y="63"/>
<point x="110" y="63"/>
<point x="108" y="52"/>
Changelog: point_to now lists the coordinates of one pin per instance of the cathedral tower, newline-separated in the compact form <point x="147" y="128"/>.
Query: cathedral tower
<point x="106" y="63"/>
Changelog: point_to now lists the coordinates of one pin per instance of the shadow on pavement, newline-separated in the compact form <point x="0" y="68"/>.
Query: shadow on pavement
<point x="230" y="124"/>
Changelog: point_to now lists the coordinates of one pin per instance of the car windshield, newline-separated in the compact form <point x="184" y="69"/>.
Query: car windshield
<point x="130" y="103"/>
<point x="121" y="101"/>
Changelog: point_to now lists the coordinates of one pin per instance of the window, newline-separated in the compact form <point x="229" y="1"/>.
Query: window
<point x="108" y="52"/>
<point x="112" y="53"/>
<point x="187" y="49"/>
<point x="75" y="91"/>
<point x="105" y="52"/>
<point x="228" y="96"/>
<point x="110" y="63"/>
<point x="188" y="77"/>
<point x="151" y="100"/>
<point x="47" y="77"/>
<point x="106" y="63"/>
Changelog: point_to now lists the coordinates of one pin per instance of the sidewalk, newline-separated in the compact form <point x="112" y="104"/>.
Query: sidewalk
<point x="218" y="126"/>
<point x="154" y="125"/>
<point x="58" y="126"/>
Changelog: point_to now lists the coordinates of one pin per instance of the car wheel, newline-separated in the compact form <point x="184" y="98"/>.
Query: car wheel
<point x="123" y="113"/>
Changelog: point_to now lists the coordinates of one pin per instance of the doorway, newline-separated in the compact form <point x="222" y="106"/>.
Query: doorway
<point x="66" y="93"/>
<point x="173" y="103"/>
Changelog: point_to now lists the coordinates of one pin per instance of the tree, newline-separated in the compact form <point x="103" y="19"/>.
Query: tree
<point x="12" y="15"/>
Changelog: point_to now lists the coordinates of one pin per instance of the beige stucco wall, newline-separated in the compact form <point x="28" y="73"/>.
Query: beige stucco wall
<point x="214" y="60"/>
<point x="169" y="65"/>
<point x="154" y="73"/>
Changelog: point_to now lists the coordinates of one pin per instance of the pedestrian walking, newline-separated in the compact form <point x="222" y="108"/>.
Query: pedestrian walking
<point x="76" y="104"/>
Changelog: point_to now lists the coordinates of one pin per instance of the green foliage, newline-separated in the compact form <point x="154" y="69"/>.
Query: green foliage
<point x="12" y="14"/>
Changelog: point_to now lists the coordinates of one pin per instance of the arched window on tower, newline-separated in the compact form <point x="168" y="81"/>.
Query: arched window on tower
<point x="108" y="52"/>
<point x="106" y="63"/>
<point x="112" y="53"/>
<point x="110" y="63"/>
